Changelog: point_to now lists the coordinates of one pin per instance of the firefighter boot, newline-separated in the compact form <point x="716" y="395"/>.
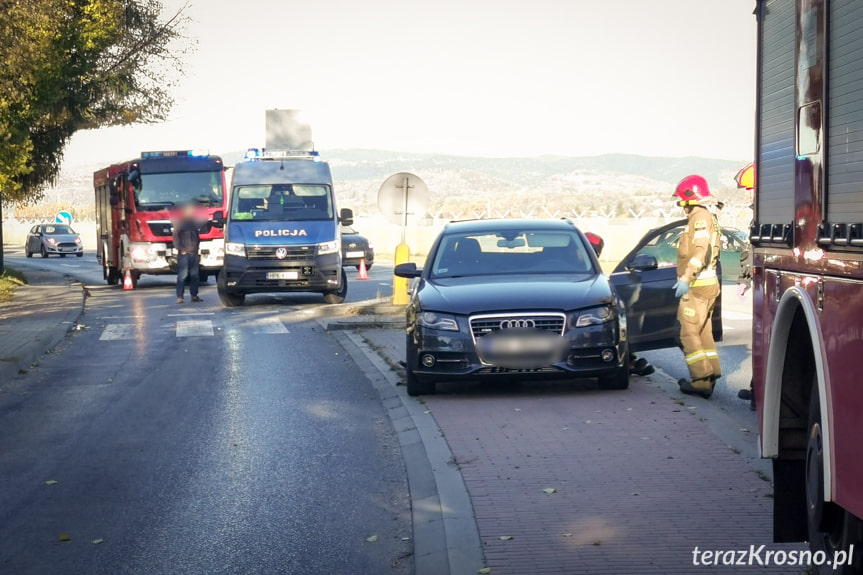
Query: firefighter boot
<point x="700" y="387"/>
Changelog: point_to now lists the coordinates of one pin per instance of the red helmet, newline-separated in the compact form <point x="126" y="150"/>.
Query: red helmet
<point x="691" y="190"/>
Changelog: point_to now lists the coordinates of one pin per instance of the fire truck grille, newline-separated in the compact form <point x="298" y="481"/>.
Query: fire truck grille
<point x="292" y="254"/>
<point x="161" y="229"/>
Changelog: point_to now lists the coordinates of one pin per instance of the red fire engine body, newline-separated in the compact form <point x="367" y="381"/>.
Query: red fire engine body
<point x="807" y="237"/>
<point x="135" y="202"/>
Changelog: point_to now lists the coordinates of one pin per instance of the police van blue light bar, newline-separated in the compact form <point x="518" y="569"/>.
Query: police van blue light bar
<point x="176" y="154"/>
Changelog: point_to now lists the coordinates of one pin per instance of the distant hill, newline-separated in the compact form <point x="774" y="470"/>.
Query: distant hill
<point x="472" y="185"/>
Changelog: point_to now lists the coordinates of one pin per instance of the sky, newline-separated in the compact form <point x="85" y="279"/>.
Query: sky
<point x="467" y="77"/>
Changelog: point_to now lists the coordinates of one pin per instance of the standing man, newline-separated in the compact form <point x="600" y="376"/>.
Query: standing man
<point x="186" y="241"/>
<point x="744" y="284"/>
<point x="697" y="287"/>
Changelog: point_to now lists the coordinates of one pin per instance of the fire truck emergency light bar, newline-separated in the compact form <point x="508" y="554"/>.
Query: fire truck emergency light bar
<point x="264" y="154"/>
<point x="176" y="154"/>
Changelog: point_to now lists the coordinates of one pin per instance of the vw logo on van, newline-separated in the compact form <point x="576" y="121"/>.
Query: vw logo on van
<point x="281" y="253"/>
<point x="517" y="323"/>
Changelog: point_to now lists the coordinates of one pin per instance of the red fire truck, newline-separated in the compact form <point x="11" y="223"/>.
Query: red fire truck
<point x="134" y="204"/>
<point x="807" y="242"/>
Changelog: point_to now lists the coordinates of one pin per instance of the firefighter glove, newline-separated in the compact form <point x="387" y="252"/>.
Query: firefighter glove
<point x="681" y="288"/>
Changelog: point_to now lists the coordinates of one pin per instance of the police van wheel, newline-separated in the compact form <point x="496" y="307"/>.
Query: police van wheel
<point x="338" y="296"/>
<point x="620" y="380"/>
<point x="227" y="298"/>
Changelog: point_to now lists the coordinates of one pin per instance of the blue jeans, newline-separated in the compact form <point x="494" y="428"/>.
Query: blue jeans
<point x="187" y="268"/>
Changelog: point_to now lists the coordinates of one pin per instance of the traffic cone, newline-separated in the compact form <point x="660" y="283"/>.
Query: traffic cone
<point x="364" y="273"/>
<point x="127" y="280"/>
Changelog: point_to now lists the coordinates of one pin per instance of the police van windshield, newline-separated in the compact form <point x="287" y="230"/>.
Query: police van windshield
<point x="160" y="191"/>
<point x="511" y="253"/>
<point x="282" y="202"/>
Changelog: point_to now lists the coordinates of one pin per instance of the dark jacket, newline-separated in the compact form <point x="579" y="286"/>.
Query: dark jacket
<point x="187" y="236"/>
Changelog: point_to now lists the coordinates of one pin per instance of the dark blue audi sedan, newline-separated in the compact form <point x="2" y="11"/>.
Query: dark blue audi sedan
<point x="528" y="299"/>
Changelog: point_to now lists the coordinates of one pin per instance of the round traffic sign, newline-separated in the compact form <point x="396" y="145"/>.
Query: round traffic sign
<point x="400" y="191"/>
<point x="63" y="217"/>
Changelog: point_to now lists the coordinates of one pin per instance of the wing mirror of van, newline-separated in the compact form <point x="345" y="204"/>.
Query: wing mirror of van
<point x="346" y="217"/>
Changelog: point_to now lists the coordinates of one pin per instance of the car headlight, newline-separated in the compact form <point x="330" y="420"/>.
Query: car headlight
<point x="235" y="249"/>
<point x="51" y="241"/>
<point x="442" y="321"/>
<point x="328" y="248"/>
<point x="78" y="241"/>
<point x="594" y="316"/>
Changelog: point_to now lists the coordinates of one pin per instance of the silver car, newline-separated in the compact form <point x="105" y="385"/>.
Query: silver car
<point x="47" y="239"/>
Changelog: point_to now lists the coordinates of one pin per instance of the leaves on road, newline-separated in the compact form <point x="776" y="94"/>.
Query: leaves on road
<point x="549" y="490"/>
<point x="484" y="571"/>
<point x="372" y="539"/>
<point x="566" y="534"/>
<point x="97" y="541"/>
<point x="506" y="537"/>
<point x="52" y="482"/>
<point x="65" y="537"/>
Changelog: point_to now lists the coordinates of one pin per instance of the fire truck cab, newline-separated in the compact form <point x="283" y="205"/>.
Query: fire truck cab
<point x="807" y="242"/>
<point x="135" y="201"/>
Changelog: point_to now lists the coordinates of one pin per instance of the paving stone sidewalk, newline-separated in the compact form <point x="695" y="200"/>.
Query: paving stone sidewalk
<point x="36" y="320"/>
<point x="639" y="480"/>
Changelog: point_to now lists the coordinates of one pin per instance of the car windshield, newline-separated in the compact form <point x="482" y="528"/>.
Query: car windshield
<point x="158" y="191"/>
<point x="57" y="230"/>
<point x="282" y="202"/>
<point x="511" y="252"/>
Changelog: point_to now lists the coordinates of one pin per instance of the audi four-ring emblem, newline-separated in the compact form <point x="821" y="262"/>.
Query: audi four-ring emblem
<point x="517" y="323"/>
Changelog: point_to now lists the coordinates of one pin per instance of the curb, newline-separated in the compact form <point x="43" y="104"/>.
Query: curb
<point x="445" y="534"/>
<point x="31" y="353"/>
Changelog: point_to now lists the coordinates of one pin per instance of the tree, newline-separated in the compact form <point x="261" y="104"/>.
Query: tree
<point x="67" y="65"/>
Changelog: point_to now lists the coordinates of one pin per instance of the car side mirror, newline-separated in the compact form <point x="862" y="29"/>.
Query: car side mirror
<point x="643" y="263"/>
<point x="408" y="270"/>
<point x="346" y="217"/>
<point x="218" y="219"/>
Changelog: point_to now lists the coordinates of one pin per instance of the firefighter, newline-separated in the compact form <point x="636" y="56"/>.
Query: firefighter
<point x="697" y="286"/>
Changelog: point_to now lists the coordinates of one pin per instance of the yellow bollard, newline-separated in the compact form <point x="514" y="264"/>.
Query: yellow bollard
<point x="401" y="285"/>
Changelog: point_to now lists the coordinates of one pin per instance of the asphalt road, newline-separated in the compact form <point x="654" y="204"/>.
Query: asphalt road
<point x="197" y="439"/>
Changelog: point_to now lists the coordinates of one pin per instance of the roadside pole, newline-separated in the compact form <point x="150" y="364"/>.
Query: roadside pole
<point x="403" y="197"/>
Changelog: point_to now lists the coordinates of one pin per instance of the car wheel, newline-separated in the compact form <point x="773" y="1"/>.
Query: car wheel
<point x="620" y="379"/>
<point x="27" y="252"/>
<point x="62" y="255"/>
<point x="831" y="528"/>
<point x="227" y="298"/>
<point x="43" y="252"/>
<point x="417" y="387"/>
<point x="203" y="277"/>
<point x="340" y="295"/>
<point x="368" y="267"/>
<point x="79" y="255"/>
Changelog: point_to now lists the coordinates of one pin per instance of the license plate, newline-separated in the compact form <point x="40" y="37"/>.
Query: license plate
<point x="283" y="275"/>
<point x="355" y="254"/>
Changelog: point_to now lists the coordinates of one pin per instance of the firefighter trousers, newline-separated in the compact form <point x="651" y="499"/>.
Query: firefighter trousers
<point x="696" y="333"/>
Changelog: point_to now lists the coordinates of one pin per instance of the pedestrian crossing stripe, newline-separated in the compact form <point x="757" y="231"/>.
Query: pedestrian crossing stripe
<point x="116" y="331"/>
<point x="197" y="328"/>
<point x="194" y="328"/>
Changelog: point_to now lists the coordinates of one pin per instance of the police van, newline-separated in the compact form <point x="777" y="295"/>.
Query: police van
<point x="282" y="228"/>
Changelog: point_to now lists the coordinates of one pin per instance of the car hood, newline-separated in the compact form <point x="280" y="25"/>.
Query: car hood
<point x="281" y="233"/>
<point x="467" y="296"/>
<point x="62" y="238"/>
<point x="354" y="239"/>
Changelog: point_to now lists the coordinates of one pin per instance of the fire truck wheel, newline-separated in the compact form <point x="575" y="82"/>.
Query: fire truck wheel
<point x="340" y="295"/>
<point x="831" y="528"/>
<point x="135" y="277"/>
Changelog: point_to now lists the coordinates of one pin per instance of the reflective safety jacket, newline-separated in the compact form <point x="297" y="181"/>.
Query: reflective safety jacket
<point x="698" y="250"/>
